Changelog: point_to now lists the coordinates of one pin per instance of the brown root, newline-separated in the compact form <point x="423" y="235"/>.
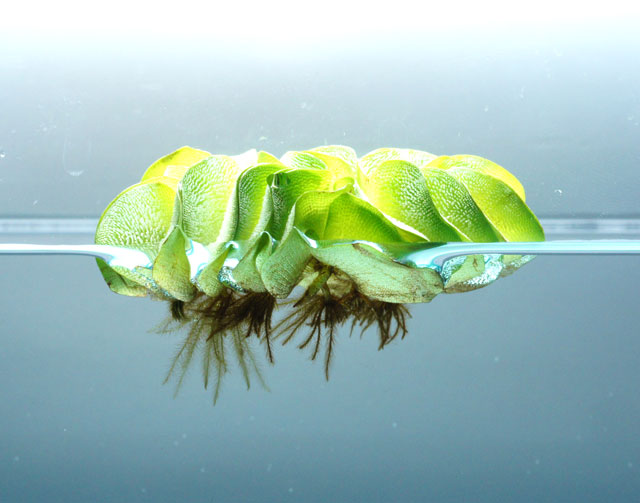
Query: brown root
<point x="330" y="300"/>
<point x="391" y="318"/>
<point x="249" y="314"/>
<point x="323" y="313"/>
<point x="177" y="310"/>
<point x="211" y="322"/>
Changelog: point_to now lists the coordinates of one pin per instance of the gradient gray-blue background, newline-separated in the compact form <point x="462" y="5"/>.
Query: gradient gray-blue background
<point x="524" y="391"/>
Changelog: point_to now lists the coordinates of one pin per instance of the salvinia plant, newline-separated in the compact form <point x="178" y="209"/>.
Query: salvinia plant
<point x="228" y="238"/>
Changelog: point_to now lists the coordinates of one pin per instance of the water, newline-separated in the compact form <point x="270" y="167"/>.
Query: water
<point x="483" y="400"/>
<point x="432" y="255"/>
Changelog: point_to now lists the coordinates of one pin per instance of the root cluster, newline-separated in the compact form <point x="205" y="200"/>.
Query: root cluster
<point x="239" y="319"/>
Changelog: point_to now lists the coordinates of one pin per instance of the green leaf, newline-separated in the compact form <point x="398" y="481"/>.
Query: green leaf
<point x="267" y="158"/>
<point x="171" y="269"/>
<point x="398" y="189"/>
<point x="120" y="284"/>
<point x="456" y="206"/>
<point x="207" y="279"/>
<point x="247" y="272"/>
<point x="175" y="164"/>
<point x="254" y="200"/>
<point x="355" y="219"/>
<point x="302" y="160"/>
<point x="481" y="165"/>
<point x="246" y="160"/>
<point x="377" y="276"/>
<point x="416" y="157"/>
<point x="287" y="186"/>
<point x="501" y="205"/>
<point x="138" y="218"/>
<point x="283" y="269"/>
<point x="472" y="267"/>
<point x="341" y="161"/>
<point x="346" y="154"/>
<point x="206" y="195"/>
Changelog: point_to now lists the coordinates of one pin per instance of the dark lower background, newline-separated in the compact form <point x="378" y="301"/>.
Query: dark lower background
<point x="524" y="391"/>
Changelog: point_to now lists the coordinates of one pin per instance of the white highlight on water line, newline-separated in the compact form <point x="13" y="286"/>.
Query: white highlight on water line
<point x="552" y="226"/>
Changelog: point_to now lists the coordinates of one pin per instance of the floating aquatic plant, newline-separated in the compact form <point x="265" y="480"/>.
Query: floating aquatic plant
<point x="228" y="238"/>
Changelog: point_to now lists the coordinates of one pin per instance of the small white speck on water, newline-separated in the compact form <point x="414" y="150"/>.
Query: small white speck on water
<point x="3" y="154"/>
<point x="75" y="172"/>
<point x="394" y="425"/>
<point x="16" y="459"/>
<point x="537" y="461"/>
<point x="184" y="435"/>
<point x="486" y="108"/>
<point x="558" y="191"/>
<point x="290" y="490"/>
<point x="496" y="359"/>
<point x="35" y="201"/>
<point x="262" y="138"/>
<point x="143" y="490"/>
<point x="202" y="469"/>
<point x="176" y="443"/>
<point x="629" y="465"/>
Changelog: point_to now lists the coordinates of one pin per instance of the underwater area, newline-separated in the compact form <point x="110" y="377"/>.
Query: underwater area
<point x="526" y="390"/>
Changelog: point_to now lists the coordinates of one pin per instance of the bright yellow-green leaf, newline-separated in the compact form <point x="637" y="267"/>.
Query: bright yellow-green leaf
<point x="337" y="161"/>
<point x="398" y="189"/>
<point x="267" y="158"/>
<point x="355" y="219"/>
<point x="347" y="154"/>
<point x="254" y="204"/>
<point x="457" y="207"/>
<point x="206" y="196"/>
<point x="502" y="206"/>
<point x="246" y="160"/>
<point x="138" y="218"/>
<point x="287" y="186"/>
<point x="480" y="165"/>
<point x="416" y="157"/>
<point x="175" y="164"/>
<point x="302" y="160"/>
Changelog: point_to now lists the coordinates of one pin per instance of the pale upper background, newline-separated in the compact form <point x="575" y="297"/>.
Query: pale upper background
<point x="89" y="96"/>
